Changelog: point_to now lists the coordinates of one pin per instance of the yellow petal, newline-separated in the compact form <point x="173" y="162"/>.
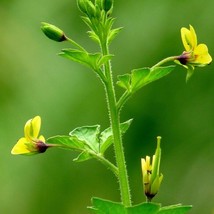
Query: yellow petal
<point x="202" y="56"/>
<point x="189" y="38"/>
<point x="184" y="35"/>
<point x="193" y="36"/>
<point x="32" y="128"/>
<point x="20" y="147"/>
<point x="41" y="137"/>
<point x="145" y="165"/>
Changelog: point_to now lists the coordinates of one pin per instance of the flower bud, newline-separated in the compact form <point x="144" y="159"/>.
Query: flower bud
<point x="99" y="3"/>
<point x="151" y="177"/>
<point x="91" y="10"/>
<point x="107" y="5"/>
<point x="53" y="32"/>
<point x="82" y="5"/>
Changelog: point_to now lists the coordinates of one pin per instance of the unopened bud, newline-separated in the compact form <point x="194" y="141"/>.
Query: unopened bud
<point x="99" y="3"/>
<point x="107" y="5"/>
<point x="82" y="5"/>
<point x="91" y="10"/>
<point x="53" y="32"/>
<point x="151" y="177"/>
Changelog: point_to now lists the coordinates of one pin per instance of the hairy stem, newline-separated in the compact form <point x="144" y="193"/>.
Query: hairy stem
<point x="107" y="163"/>
<point x="123" y="99"/>
<point x="115" y="125"/>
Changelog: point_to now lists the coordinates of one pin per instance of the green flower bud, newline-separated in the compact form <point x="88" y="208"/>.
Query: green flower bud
<point x="91" y="10"/>
<point x="97" y="12"/>
<point x="53" y="32"/>
<point x="107" y="5"/>
<point x="99" y="3"/>
<point x="82" y="5"/>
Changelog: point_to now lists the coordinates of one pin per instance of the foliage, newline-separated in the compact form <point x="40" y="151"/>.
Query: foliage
<point x="101" y="206"/>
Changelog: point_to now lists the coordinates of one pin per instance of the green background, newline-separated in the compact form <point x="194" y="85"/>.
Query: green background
<point x="35" y="81"/>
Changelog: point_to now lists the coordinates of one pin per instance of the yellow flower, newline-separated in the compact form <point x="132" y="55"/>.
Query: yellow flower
<point x="151" y="177"/>
<point x="31" y="143"/>
<point x="194" y="54"/>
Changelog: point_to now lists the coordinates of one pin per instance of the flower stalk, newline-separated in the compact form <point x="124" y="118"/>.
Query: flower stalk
<point x="166" y="60"/>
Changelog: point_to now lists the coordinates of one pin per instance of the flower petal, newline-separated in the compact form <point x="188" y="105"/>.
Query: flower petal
<point x="193" y="36"/>
<point x="189" y="38"/>
<point x="202" y="56"/>
<point x="20" y="147"/>
<point x="145" y="165"/>
<point x="41" y="138"/>
<point x="32" y="128"/>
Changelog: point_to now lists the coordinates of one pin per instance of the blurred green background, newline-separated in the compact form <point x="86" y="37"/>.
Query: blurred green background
<point x="35" y="81"/>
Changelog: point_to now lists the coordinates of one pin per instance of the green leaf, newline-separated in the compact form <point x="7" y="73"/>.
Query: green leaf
<point x="82" y="157"/>
<point x="67" y="142"/>
<point x="134" y="81"/>
<point x="141" y="77"/>
<point x="113" y="33"/>
<point x="124" y="81"/>
<point x="73" y="143"/>
<point x="109" y="23"/>
<point x="88" y="140"/>
<point x="145" y="208"/>
<point x="102" y="206"/>
<point x="82" y="57"/>
<point x="89" y="135"/>
<point x="159" y="72"/>
<point x="106" y="137"/>
<point x="104" y="59"/>
<point x="96" y="141"/>
<point x="94" y="36"/>
<point x="87" y="21"/>
<point x="138" y="77"/>
<point x="175" y="209"/>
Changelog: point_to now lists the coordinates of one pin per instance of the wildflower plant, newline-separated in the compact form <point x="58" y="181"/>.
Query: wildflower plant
<point x="91" y="141"/>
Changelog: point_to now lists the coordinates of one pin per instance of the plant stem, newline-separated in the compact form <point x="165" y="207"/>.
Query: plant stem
<point x="168" y="59"/>
<point x="115" y="125"/>
<point x="123" y="99"/>
<point x="75" y="44"/>
<point x="107" y="163"/>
